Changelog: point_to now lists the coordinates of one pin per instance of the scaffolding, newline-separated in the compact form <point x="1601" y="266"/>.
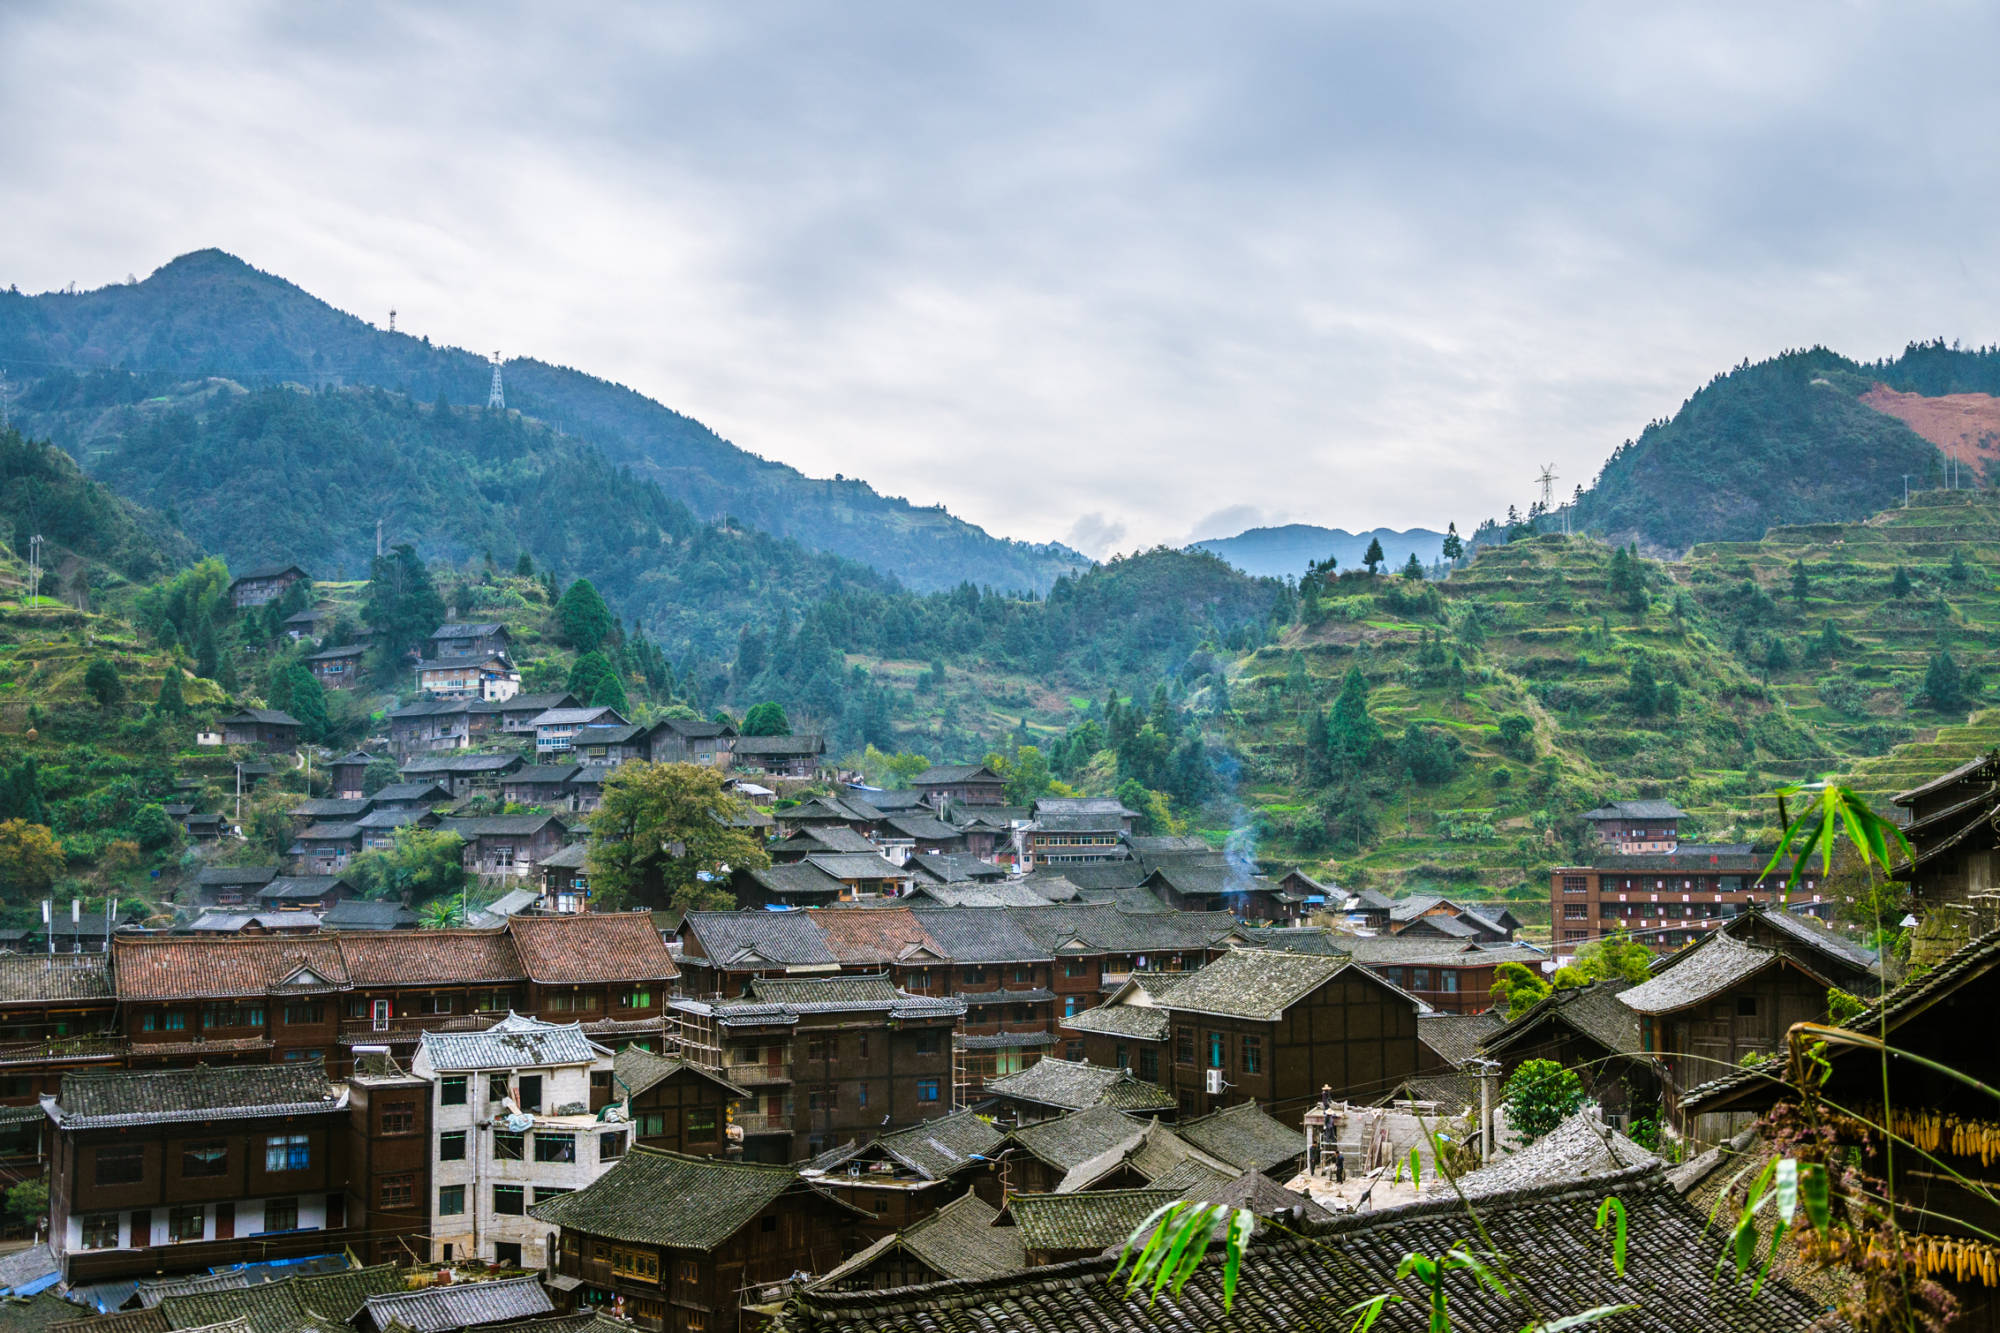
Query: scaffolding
<point x="961" y="1073"/>
<point x="698" y="1036"/>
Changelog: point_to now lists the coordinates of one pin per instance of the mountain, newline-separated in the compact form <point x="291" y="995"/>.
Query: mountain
<point x="210" y="314"/>
<point x="44" y="494"/>
<point x="1286" y="551"/>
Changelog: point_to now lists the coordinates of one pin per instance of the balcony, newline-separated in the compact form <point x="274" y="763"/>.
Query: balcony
<point x="405" y="1030"/>
<point x="758" y="1122"/>
<point x="61" y="1050"/>
<point x="759" y="1075"/>
<point x="86" y="1266"/>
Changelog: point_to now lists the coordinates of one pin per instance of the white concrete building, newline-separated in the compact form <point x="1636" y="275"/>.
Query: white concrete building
<point x="513" y="1125"/>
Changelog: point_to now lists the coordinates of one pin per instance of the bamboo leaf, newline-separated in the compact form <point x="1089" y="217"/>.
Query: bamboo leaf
<point x="1155" y="1248"/>
<point x="1368" y="1311"/>
<point x="1185" y="1227"/>
<point x="1242" y="1225"/>
<point x="1776" y="1237"/>
<point x="1614" y="1206"/>
<point x="1787" y="1189"/>
<point x="1813" y="1188"/>
<point x="1581" y="1319"/>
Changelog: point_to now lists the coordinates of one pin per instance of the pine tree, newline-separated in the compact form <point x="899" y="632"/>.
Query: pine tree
<point x="585" y="620"/>
<point x="1351" y="734"/>
<point x="1643" y="690"/>
<point x="524" y="566"/>
<point x="1944" y="684"/>
<point x="610" y="693"/>
<point x="170" y="703"/>
<point x="206" y="655"/>
<point x="308" y="703"/>
<point x="1413" y="568"/>
<point x="403" y="605"/>
<point x="1374" y="556"/>
<point x="1960" y="571"/>
<point x="1454" y="546"/>
<point x="101" y="680"/>
<point x="1776" y="656"/>
<point x="1801" y="582"/>
<point x="1899" y="586"/>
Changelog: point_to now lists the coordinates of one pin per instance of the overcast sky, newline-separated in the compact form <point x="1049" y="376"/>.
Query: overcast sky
<point x="1115" y="274"/>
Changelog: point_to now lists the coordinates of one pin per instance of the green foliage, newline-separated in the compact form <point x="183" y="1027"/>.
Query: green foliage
<point x="584" y="619"/>
<point x="1944" y="684"/>
<point x="1428" y="756"/>
<point x="1413" y="568"/>
<point x="661" y="838"/>
<point x="1540" y="1094"/>
<point x="306" y="701"/>
<point x="591" y="675"/>
<point x="422" y="865"/>
<point x="42" y="492"/>
<point x="1374" y="557"/>
<point x="1454" y="545"/>
<point x="102" y="681"/>
<point x="442" y="913"/>
<point x="402" y="605"/>
<point x="1351" y="733"/>
<point x="28" y="1203"/>
<point x="170" y="702"/>
<point x="1167" y="1247"/>
<point x="30" y="857"/>
<point x="1517" y="736"/>
<point x="1616" y="956"/>
<point x="1516" y="989"/>
<point x="766" y="719"/>
<point x="154" y="828"/>
<point x="1841" y="1006"/>
<point x="1899" y="584"/>
<point x="1642" y="693"/>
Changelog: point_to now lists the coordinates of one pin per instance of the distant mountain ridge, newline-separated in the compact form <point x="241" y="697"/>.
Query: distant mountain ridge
<point x="1283" y="552"/>
<point x="209" y="313"/>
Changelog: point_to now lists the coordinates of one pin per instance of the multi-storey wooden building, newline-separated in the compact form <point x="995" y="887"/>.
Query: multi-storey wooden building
<point x="674" y="1104"/>
<point x="676" y="1244"/>
<point x="1667" y="900"/>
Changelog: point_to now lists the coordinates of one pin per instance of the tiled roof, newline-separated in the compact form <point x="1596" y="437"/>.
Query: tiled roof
<point x="1087" y="1220"/>
<point x="1595" y="1011"/>
<point x="457" y="763"/>
<point x="655" y="1197"/>
<point x="827" y="838"/>
<point x="1579" y="1149"/>
<point x="28" y="1266"/>
<point x="327" y="807"/>
<point x="1701" y="972"/>
<point x="1253" y="983"/>
<point x="27" y="978"/>
<point x="300" y="886"/>
<point x="1081" y="805"/>
<point x="780" y="939"/>
<point x="1245" y="1136"/>
<point x="818" y="995"/>
<point x="1074" y="1086"/>
<point x="939" y="1148"/>
<point x="959" y="1240"/>
<point x="330" y="833"/>
<point x="513" y="1043"/>
<point x="410" y="791"/>
<point x="871" y="936"/>
<point x="274" y="717"/>
<point x="287" y="1305"/>
<point x="924" y="828"/>
<point x="152" y="1293"/>
<point x="1249" y="1189"/>
<point x="1637" y="810"/>
<point x="144" y="1320"/>
<point x="1293" y="939"/>
<point x="1808" y="931"/>
<point x="361" y="914"/>
<point x="214" y="876"/>
<point x="579" y="947"/>
<point x="1139" y="1022"/>
<point x="1548" y="1235"/>
<point x="1456" y="1037"/>
<point x="1452" y="1093"/>
<point x="223" y="1092"/>
<point x="846" y="866"/>
<point x="443" y="957"/>
<point x="391" y="819"/>
<point x="754" y="747"/>
<point x="1068" y="1141"/>
<point x="461" y="1305"/>
<point x="985" y="893"/>
<point x="157" y="967"/>
<point x="798" y="877"/>
<point x="946" y="774"/>
<point x="496" y="826"/>
<point x="1103" y="926"/>
<point x="975" y="936"/>
<point x="639" y="1071"/>
<point x="37" y="1312"/>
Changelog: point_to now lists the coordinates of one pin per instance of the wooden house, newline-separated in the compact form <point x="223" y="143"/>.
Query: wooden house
<point x="901" y="1177"/>
<point x="780" y="756"/>
<point x="690" y="740"/>
<point x="675" y="1105"/>
<point x="507" y="844"/>
<point x="266" y="728"/>
<point x="348" y="775"/>
<point x="957" y="1241"/>
<point x="467" y="642"/>
<point x="337" y="668"/>
<point x="946" y="785"/>
<point x="266" y="583"/>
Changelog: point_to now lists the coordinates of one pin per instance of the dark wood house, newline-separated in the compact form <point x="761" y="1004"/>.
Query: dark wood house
<point x="266" y="728"/>
<point x="337" y="668"/>
<point x="1591" y="1030"/>
<point x="507" y="844"/>
<point x="264" y="584"/>
<point x="676" y="1244"/>
<point x="946" y="785"/>
<point x="690" y="741"/>
<point x="780" y="756"/>
<point x="675" y="1105"/>
<point x="901" y="1177"/>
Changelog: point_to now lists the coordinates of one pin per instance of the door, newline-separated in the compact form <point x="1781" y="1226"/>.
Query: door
<point x="381" y="1015"/>
<point x="225" y="1220"/>
<point x="336" y="1211"/>
<point x="774" y="1061"/>
<point x="142" y="1228"/>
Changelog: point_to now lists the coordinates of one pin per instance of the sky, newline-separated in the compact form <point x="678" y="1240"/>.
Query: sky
<point x="1115" y="275"/>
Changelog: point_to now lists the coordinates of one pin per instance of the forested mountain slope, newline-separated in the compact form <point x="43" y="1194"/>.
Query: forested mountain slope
<point x="208" y="313"/>
<point x="1284" y="552"/>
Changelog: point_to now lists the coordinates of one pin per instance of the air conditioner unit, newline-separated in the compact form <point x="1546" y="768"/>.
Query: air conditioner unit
<point x="1212" y="1084"/>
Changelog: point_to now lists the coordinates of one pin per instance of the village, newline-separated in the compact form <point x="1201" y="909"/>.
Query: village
<point x="941" y="1039"/>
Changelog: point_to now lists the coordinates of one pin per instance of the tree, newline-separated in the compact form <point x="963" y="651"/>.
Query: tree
<point x="1959" y="571"/>
<point x="663" y="836"/>
<point x="170" y="703"/>
<point x="442" y="913"/>
<point x="1413" y="568"/>
<point x="1615" y="956"/>
<point x="422" y="865"/>
<point x="1801" y="582"/>
<point x="1944" y="684"/>
<point x="610" y="693"/>
<point x="1777" y="657"/>
<point x="308" y="702"/>
<point x="154" y="827"/>
<point x="1374" y="556"/>
<point x="1540" y="1095"/>
<point x="207" y="656"/>
<point x="1642" y="693"/>
<point x="402" y="603"/>
<point x="30" y="857"/>
<point x="1351" y="734"/>
<point x="1899" y="586"/>
<point x="1517" y="736"/>
<point x="1517" y="989"/>
<point x="524" y="566"/>
<point x="588" y="674"/>
<point x="766" y="719"/>
<point x="582" y="616"/>
<point x="1454" y="546"/>
<point x="1028" y="776"/>
<point x="1429" y="758"/>
<point x="28" y="1203"/>
<point x="101" y="680"/>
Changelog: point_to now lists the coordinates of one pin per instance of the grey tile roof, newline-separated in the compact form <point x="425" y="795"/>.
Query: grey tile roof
<point x="938" y="775"/>
<point x="1253" y="1190"/>
<point x="959" y="1240"/>
<point x="939" y="1148"/>
<point x="512" y="1043"/>
<point x="286" y="1305"/>
<point x="1546" y="1233"/>
<point x="797" y="878"/>
<point x="980" y="936"/>
<point x="1087" y="1220"/>
<point x="1452" y="1093"/>
<point x="391" y="819"/>
<point x="654" y="1197"/>
<point x="639" y="1070"/>
<point x="1245" y="1136"/>
<point x="785" y="939"/>
<point x="327" y="807"/>
<point x="361" y="914"/>
<point x="410" y="791"/>
<point x="37" y="1312"/>
<point x="300" y="886"/>
<point x="123" y="1321"/>
<point x="1293" y="939"/>
<point x="955" y="867"/>
<point x="1808" y="931"/>
<point x="815" y="838"/>
<point x="987" y="893"/>
<point x="922" y="827"/>
<point x="1138" y="1022"/>
<point x="1701" y="972"/>
<point x="846" y="866"/>
<point x="1069" y="1141"/>
<point x="222" y="1092"/>
<point x="27" y="1265"/>
<point x="783" y="747"/>
<point x="1577" y="1150"/>
<point x="1103" y="926"/>
<point x="33" y="977"/>
<point x="152" y="1293"/>
<point x="1081" y="805"/>
<point x="1595" y="1011"/>
<point x="817" y="995"/>
<point x="1637" y="810"/>
<point x="481" y="631"/>
<point x="499" y="825"/>
<point x="214" y="876"/>
<point x="1253" y="983"/>
<point x="460" y="1305"/>
<point x="1075" y="1086"/>
<point x="1456" y="1037"/>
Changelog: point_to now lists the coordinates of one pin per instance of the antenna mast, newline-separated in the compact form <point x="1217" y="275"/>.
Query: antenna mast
<point x="494" y="397"/>
<point x="1547" y="481"/>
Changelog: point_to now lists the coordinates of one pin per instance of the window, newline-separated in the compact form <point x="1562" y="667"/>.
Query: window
<point x="1072" y="1006"/>
<point x="187" y="1222"/>
<point x="176" y="1021"/>
<point x="305" y="1055"/>
<point x="1183" y="1046"/>
<point x="281" y="1214"/>
<point x="611" y="1147"/>
<point x="209" y="1158"/>
<point x="304" y="1012"/>
<point x="819" y="1048"/>
<point x="451" y="1091"/>
<point x="1024" y="975"/>
<point x="652" y="1124"/>
<point x="687" y="1271"/>
<point x="510" y="1201"/>
<point x="124" y="1165"/>
<point x="1073" y="1052"/>
<point x="399" y="1190"/>
<point x="496" y="1087"/>
<point x="562" y="1004"/>
<point x="1076" y="967"/>
<point x="927" y="1043"/>
<point x="1576" y="883"/>
<point x="1447" y="980"/>
<point x="975" y="976"/>
<point x="1149" y="1065"/>
<point x="862" y="1041"/>
<point x="555" y="1147"/>
<point x="1576" y="911"/>
<point x="1215" y="1048"/>
<point x="399" y="1117"/>
<point x="287" y="1152"/>
<point x="1253" y="1055"/>
<point x="881" y="1204"/>
<point x="919" y="976"/>
<point x="451" y="1200"/>
<point x="636" y="1263"/>
<point x="927" y="1090"/>
<point x="508" y="1147"/>
<point x="100" y="1232"/>
<point x="861" y="1097"/>
<point x="828" y="1100"/>
<point x="531" y="1092"/>
<point x="543" y="1193"/>
<point x="232" y="1016"/>
<point x="1121" y="1057"/>
<point x="451" y="1147"/>
<point x="636" y="999"/>
<point x="1746" y="1006"/>
<point x="435" y="1004"/>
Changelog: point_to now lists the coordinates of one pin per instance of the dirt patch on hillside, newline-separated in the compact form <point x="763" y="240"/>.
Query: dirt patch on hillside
<point x="1965" y="425"/>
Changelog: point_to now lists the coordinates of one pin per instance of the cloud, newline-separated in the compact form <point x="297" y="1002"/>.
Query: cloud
<point x="1226" y="522"/>
<point x="1067" y="268"/>
<point x="1094" y="534"/>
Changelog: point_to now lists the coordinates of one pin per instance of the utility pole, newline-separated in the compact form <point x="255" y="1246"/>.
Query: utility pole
<point x="494" y="397"/>
<point x="392" y="320"/>
<point x="1906" y="490"/>
<point x="34" y="567"/>
<point x="378" y="538"/>
<point x="239" y="795"/>
<point x="1487" y="1072"/>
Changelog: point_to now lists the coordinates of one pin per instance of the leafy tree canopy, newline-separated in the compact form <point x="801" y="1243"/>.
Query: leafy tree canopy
<point x="662" y="837"/>
<point x="766" y="719"/>
<point x="1540" y="1095"/>
<point x="583" y="617"/>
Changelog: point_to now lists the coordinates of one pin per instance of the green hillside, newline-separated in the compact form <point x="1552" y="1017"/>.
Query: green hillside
<point x="210" y="314"/>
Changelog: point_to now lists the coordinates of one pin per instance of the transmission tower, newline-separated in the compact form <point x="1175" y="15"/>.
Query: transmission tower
<point x="494" y="397"/>
<point x="34" y="568"/>
<point x="6" y="395"/>
<point x="392" y="321"/>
